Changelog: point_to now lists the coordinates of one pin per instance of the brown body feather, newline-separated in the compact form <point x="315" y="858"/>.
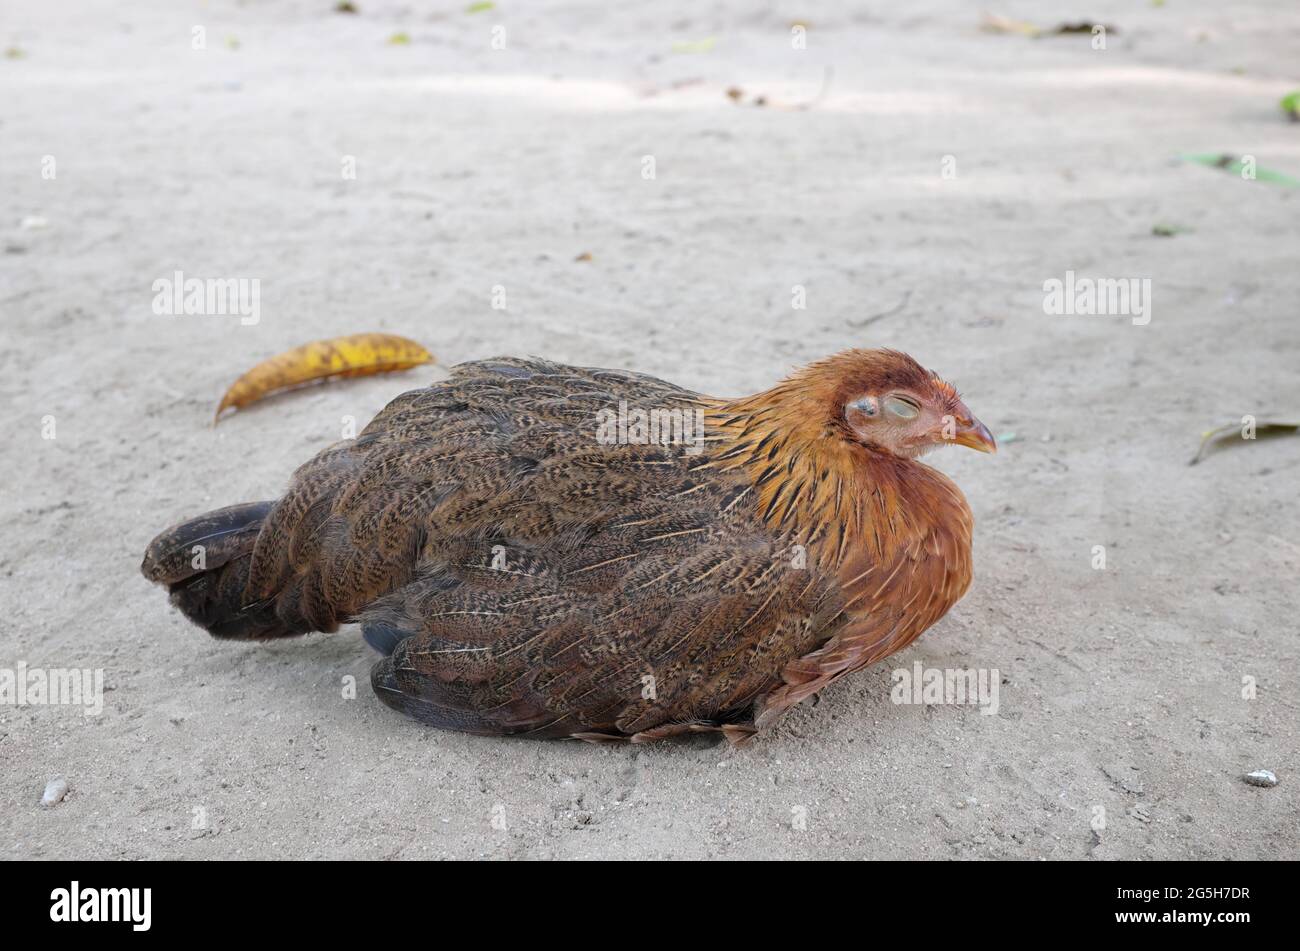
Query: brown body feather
<point x="525" y="578"/>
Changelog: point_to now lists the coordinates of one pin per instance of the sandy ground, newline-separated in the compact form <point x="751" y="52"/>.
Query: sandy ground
<point x="1120" y="688"/>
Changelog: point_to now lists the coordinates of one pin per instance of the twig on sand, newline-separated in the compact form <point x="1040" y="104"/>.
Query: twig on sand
<point x="883" y="314"/>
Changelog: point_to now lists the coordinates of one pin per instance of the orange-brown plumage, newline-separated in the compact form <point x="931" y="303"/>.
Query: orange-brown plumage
<point x="895" y="534"/>
<point x="525" y="578"/>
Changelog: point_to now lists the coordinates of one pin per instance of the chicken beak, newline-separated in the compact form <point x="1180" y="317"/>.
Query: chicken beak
<point x="976" y="435"/>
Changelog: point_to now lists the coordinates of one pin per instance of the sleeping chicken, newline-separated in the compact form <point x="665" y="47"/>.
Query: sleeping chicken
<point x="553" y="551"/>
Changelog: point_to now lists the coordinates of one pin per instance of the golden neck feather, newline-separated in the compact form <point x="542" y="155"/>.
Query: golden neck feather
<point x="814" y="484"/>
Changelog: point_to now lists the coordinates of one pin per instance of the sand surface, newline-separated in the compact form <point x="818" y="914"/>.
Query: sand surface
<point x="1121" y="689"/>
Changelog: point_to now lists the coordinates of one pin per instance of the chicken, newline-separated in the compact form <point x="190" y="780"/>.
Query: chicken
<point x="556" y="551"/>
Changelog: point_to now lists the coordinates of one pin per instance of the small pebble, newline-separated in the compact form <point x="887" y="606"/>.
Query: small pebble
<point x="57" y="788"/>
<point x="1261" y="777"/>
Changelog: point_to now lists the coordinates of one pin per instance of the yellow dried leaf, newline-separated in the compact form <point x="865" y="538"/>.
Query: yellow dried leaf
<point x="337" y="358"/>
<point x="995" y="23"/>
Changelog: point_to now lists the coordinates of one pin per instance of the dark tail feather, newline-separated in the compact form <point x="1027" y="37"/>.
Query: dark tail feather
<point x="204" y="563"/>
<point x="383" y="637"/>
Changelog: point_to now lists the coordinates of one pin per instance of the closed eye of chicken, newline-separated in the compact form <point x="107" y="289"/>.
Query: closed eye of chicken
<point x="533" y="559"/>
